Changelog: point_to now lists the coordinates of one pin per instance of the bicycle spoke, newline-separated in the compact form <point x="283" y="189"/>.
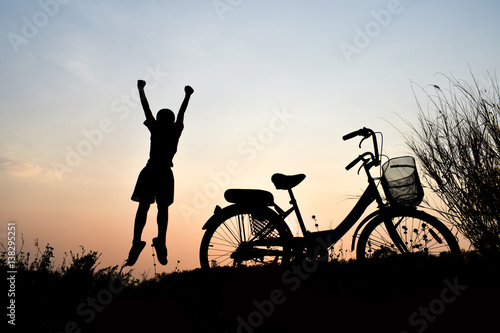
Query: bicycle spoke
<point x="229" y="237"/>
<point x="417" y="235"/>
<point x="235" y="240"/>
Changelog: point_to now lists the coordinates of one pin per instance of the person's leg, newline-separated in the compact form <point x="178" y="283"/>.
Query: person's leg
<point x="164" y="198"/>
<point x="140" y="220"/>
<point x="137" y="244"/>
<point x="159" y="242"/>
<point x="162" y="220"/>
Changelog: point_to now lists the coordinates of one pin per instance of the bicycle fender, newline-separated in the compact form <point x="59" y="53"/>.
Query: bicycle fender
<point x="217" y="211"/>
<point x="365" y="220"/>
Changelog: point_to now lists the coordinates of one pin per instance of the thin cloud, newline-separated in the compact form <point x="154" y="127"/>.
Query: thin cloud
<point x="22" y="169"/>
<point x="79" y="68"/>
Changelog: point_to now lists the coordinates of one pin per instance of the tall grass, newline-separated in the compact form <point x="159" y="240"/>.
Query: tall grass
<point x="47" y="296"/>
<point x="457" y="140"/>
<point x="73" y="264"/>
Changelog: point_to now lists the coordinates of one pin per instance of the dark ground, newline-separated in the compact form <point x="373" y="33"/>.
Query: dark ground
<point x="400" y="294"/>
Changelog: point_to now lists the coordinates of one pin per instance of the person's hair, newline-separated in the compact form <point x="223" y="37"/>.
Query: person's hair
<point x="165" y="116"/>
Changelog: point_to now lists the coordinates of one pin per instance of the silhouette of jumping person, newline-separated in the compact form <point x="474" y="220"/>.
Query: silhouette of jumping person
<point x="156" y="180"/>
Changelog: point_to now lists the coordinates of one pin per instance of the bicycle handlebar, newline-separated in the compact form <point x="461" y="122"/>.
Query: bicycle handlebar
<point x="353" y="163"/>
<point x="358" y="159"/>
<point x="365" y="133"/>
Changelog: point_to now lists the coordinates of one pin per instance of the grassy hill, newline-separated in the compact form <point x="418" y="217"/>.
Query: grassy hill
<point x="397" y="294"/>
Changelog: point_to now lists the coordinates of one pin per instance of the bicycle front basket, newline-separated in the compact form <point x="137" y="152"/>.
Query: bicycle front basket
<point x="401" y="183"/>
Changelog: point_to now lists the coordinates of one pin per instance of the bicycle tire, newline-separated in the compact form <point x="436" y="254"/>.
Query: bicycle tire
<point x="419" y="231"/>
<point x="237" y="226"/>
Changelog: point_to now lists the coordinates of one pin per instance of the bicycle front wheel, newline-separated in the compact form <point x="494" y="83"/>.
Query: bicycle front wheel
<point x="245" y="236"/>
<point x="411" y="231"/>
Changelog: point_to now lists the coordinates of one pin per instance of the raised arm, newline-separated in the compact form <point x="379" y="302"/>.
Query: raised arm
<point x="144" y="101"/>
<point x="189" y="91"/>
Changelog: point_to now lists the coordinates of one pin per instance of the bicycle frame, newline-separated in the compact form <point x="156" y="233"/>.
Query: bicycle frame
<point x="332" y="236"/>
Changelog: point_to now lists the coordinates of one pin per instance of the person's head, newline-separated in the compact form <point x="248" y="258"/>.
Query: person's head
<point x="165" y="117"/>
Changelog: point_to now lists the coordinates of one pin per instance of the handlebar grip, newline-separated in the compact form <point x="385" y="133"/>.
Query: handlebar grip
<point x="352" y="135"/>
<point x="353" y="163"/>
<point x="361" y="132"/>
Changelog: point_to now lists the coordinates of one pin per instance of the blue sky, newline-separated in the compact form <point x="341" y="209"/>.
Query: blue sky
<point x="276" y="84"/>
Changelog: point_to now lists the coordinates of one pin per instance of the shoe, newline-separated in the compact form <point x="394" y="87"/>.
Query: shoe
<point x="134" y="253"/>
<point x="161" y="251"/>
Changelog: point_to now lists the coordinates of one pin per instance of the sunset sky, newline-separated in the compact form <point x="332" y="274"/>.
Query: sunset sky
<point x="277" y="84"/>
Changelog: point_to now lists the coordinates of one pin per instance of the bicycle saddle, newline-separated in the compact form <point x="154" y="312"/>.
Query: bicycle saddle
<point x="284" y="182"/>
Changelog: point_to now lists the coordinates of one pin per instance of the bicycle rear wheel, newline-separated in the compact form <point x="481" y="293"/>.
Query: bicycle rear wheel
<point x="412" y="231"/>
<point x="245" y="236"/>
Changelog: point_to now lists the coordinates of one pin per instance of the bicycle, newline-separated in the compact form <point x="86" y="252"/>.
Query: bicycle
<point x="253" y="231"/>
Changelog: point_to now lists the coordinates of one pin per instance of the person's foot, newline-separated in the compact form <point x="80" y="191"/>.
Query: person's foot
<point x="161" y="251"/>
<point x="134" y="253"/>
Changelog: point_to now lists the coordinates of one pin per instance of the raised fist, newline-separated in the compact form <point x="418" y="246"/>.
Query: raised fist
<point x="141" y="84"/>
<point x="188" y="90"/>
